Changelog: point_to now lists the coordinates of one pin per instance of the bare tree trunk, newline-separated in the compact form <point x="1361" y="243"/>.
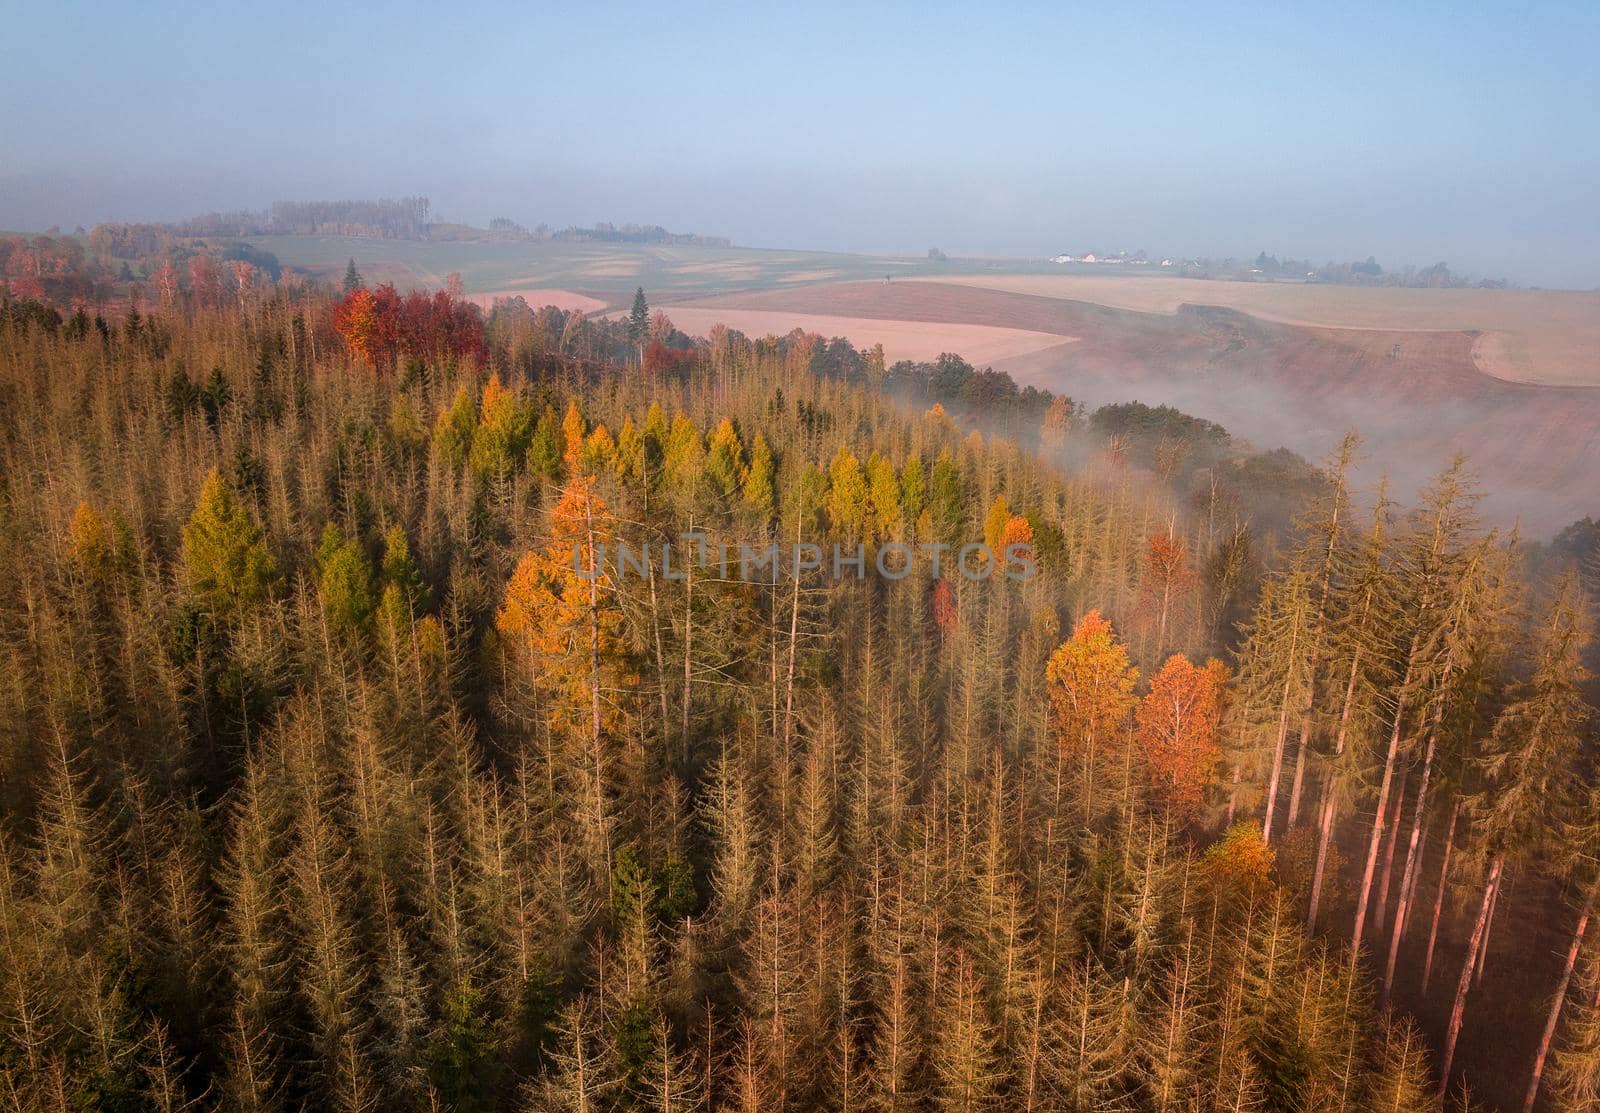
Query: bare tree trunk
<point x="1447" y="1056"/>
<point x="1277" y="765"/>
<point x="1555" y="1005"/>
<point x="1381" y="912"/>
<point x="1488" y="933"/>
<point x="1408" y="874"/>
<point x="1330" y="795"/>
<point x="688" y="647"/>
<point x="1161" y="626"/>
<point x="1438" y="900"/>
<point x="1314" y="664"/>
<point x="794" y="633"/>
<point x="655" y="627"/>
<point x="594" y="683"/>
<point x="772" y="628"/>
<point x="1376" y="838"/>
<point x="1299" y="771"/>
<point x="1320" y="867"/>
<point x="1233" y="796"/>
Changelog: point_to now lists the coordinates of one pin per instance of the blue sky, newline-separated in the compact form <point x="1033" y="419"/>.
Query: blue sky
<point x="1416" y="132"/>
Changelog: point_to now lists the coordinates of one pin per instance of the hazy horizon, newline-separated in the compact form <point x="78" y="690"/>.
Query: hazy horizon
<point x="1417" y="137"/>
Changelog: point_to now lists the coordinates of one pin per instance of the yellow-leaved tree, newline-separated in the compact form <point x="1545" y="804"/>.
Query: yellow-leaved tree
<point x="1091" y="697"/>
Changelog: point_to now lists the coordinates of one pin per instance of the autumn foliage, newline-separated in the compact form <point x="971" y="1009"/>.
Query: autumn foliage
<point x="1017" y="532"/>
<point x="558" y="622"/>
<point x="383" y="326"/>
<point x="658" y="357"/>
<point x="1091" y="687"/>
<point x="945" y="613"/>
<point x="1177" y="730"/>
<point x="1241" y="863"/>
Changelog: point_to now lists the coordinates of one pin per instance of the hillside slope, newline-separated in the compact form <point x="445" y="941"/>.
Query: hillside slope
<point x="1417" y="396"/>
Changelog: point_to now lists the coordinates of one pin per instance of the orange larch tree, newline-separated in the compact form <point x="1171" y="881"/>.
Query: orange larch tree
<point x="1177" y="735"/>
<point x="560" y="628"/>
<point x="1017" y="532"/>
<point x="355" y="319"/>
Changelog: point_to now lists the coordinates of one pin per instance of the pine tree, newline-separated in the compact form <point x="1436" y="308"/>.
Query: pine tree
<point x="1400" y="1083"/>
<point x="1575" y="1065"/>
<point x="758" y="493"/>
<point x="1322" y="529"/>
<point x="964" y="1057"/>
<point x="583" y="1068"/>
<point x="344" y="579"/>
<point x="639" y="323"/>
<point x="1089" y="1038"/>
<point x="352" y="277"/>
<point x="454" y="429"/>
<point x="1358" y="642"/>
<point x="1275" y="678"/>
<point x="504" y="430"/>
<point x="1473" y="623"/>
<point x="1577" y="844"/>
<point x="670" y="1082"/>
<point x="1529" y="774"/>
<point x="227" y="565"/>
<point x="847" y="496"/>
<point x="725" y="460"/>
<point x="1428" y="557"/>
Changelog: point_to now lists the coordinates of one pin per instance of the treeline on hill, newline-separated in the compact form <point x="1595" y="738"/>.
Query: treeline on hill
<point x="600" y="232"/>
<point x="401" y="218"/>
<point x="1269" y="268"/>
<point x="338" y="772"/>
<point x="122" y="265"/>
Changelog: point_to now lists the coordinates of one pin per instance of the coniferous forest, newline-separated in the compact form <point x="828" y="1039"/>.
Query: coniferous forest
<point x="342" y="769"/>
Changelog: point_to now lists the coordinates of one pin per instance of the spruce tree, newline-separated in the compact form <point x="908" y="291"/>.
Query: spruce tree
<point x="639" y="323"/>
<point x="227" y="565"/>
<point x="1529" y="768"/>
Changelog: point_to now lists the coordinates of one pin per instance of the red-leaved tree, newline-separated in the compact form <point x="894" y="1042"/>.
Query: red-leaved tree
<point x="1177" y="737"/>
<point x="382" y="326"/>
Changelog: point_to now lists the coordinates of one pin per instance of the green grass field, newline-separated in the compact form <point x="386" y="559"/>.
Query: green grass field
<point x="610" y="271"/>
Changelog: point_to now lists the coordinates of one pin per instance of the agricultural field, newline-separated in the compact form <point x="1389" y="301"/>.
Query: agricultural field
<point x="603" y="271"/>
<point x="1542" y="336"/>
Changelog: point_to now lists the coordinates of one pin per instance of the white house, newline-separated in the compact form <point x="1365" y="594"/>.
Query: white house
<point x="1063" y="259"/>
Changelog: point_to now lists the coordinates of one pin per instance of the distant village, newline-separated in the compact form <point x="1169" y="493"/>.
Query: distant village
<point x="1269" y="268"/>
<point x="1138" y="259"/>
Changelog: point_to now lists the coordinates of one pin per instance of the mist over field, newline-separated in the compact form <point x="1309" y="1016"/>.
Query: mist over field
<point x="1177" y="689"/>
